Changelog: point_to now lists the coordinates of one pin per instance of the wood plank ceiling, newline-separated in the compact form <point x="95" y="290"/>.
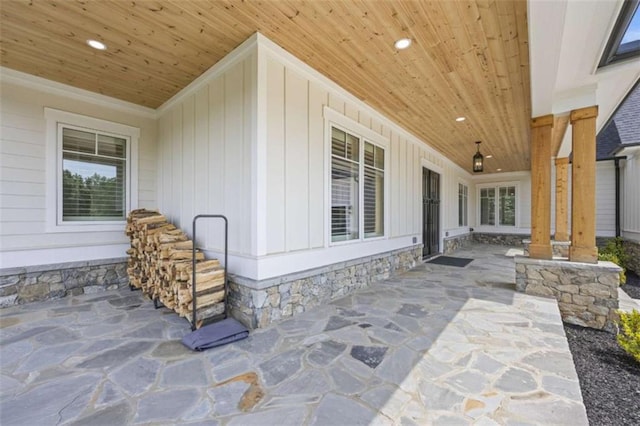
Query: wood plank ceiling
<point x="468" y="58"/>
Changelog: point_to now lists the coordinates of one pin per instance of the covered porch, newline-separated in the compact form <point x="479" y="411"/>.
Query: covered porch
<point x="435" y="345"/>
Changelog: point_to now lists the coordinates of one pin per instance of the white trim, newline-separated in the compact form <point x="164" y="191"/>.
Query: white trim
<point x="466" y="184"/>
<point x="53" y="87"/>
<point x="355" y="127"/>
<point x="233" y="57"/>
<point x="46" y="256"/>
<point x="456" y="232"/>
<point x="497" y="228"/>
<point x="276" y="265"/>
<point x="53" y="157"/>
<point x="629" y="151"/>
<point x="425" y="163"/>
<point x="259" y="184"/>
<point x="333" y="118"/>
<point x="288" y="60"/>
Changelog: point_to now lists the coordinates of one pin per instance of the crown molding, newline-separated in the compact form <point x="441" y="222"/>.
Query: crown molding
<point x="19" y="78"/>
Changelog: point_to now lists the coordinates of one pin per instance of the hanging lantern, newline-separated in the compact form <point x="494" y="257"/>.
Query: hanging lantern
<point x="478" y="160"/>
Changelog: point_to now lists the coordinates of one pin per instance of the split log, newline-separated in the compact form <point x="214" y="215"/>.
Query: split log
<point x="160" y="264"/>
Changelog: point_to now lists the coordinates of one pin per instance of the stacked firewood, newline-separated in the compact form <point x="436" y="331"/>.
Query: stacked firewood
<point x="160" y="265"/>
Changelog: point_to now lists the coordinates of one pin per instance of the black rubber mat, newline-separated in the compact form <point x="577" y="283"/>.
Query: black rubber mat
<point x="460" y="262"/>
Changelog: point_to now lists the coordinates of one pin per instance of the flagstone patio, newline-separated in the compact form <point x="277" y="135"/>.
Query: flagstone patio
<point x="436" y="345"/>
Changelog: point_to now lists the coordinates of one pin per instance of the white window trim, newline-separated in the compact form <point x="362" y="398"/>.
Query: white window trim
<point x="55" y="117"/>
<point x="333" y="118"/>
<point x="465" y="183"/>
<point x="497" y="227"/>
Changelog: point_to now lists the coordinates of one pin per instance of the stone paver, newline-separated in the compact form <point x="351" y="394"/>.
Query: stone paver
<point x="435" y="345"/>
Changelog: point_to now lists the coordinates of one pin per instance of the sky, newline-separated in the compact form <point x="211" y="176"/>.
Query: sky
<point x="633" y="31"/>
<point x="88" y="169"/>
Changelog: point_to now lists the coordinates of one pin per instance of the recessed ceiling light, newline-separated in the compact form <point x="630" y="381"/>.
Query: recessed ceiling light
<point x="97" y="45"/>
<point x="489" y="156"/>
<point x="403" y="43"/>
<point x="461" y="118"/>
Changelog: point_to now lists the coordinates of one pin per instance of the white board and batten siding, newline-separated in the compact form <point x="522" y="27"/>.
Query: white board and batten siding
<point x="207" y="157"/>
<point x="205" y="149"/>
<point x="248" y="139"/>
<point x="25" y="237"/>
<point x="630" y="196"/>
<point x="299" y="104"/>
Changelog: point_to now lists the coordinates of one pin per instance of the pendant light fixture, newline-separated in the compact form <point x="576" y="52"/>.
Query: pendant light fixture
<point x="478" y="160"/>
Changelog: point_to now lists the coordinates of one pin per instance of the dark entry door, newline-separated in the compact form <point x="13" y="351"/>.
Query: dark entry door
<point x="430" y="212"/>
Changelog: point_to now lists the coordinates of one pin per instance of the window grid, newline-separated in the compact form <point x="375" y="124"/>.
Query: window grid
<point x="501" y="201"/>
<point x="357" y="179"/>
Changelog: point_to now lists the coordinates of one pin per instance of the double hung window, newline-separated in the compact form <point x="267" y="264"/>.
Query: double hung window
<point x="94" y="175"/>
<point x="357" y="187"/>
<point x="91" y="172"/>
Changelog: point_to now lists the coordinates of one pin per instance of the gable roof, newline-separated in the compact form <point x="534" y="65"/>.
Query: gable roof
<point x="607" y="141"/>
<point x="623" y="129"/>
<point x="627" y="118"/>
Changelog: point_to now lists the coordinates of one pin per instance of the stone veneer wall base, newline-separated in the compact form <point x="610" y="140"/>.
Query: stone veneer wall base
<point x="259" y="303"/>
<point x="45" y="282"/>
<point x="513" y="240"/>
<point x="587" y="294"/>
<point x="451" y="244"/>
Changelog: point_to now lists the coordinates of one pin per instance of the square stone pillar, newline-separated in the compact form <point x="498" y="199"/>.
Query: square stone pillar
<point x="562" y="199"/>
<point x="583" y="186"/>
<point x="541" y="131"/>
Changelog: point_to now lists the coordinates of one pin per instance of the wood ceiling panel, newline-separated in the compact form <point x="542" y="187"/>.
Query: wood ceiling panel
<point x="469" y="58"/>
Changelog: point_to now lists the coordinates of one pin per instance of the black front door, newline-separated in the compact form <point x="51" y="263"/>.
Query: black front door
<point x="430" y="212"/>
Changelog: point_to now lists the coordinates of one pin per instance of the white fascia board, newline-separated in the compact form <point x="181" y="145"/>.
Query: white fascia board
<point x="60" y="89"/>
<point x="628" y="151"/>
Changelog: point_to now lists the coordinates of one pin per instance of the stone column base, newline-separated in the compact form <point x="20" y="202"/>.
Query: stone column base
<point x="587" y="294"/>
